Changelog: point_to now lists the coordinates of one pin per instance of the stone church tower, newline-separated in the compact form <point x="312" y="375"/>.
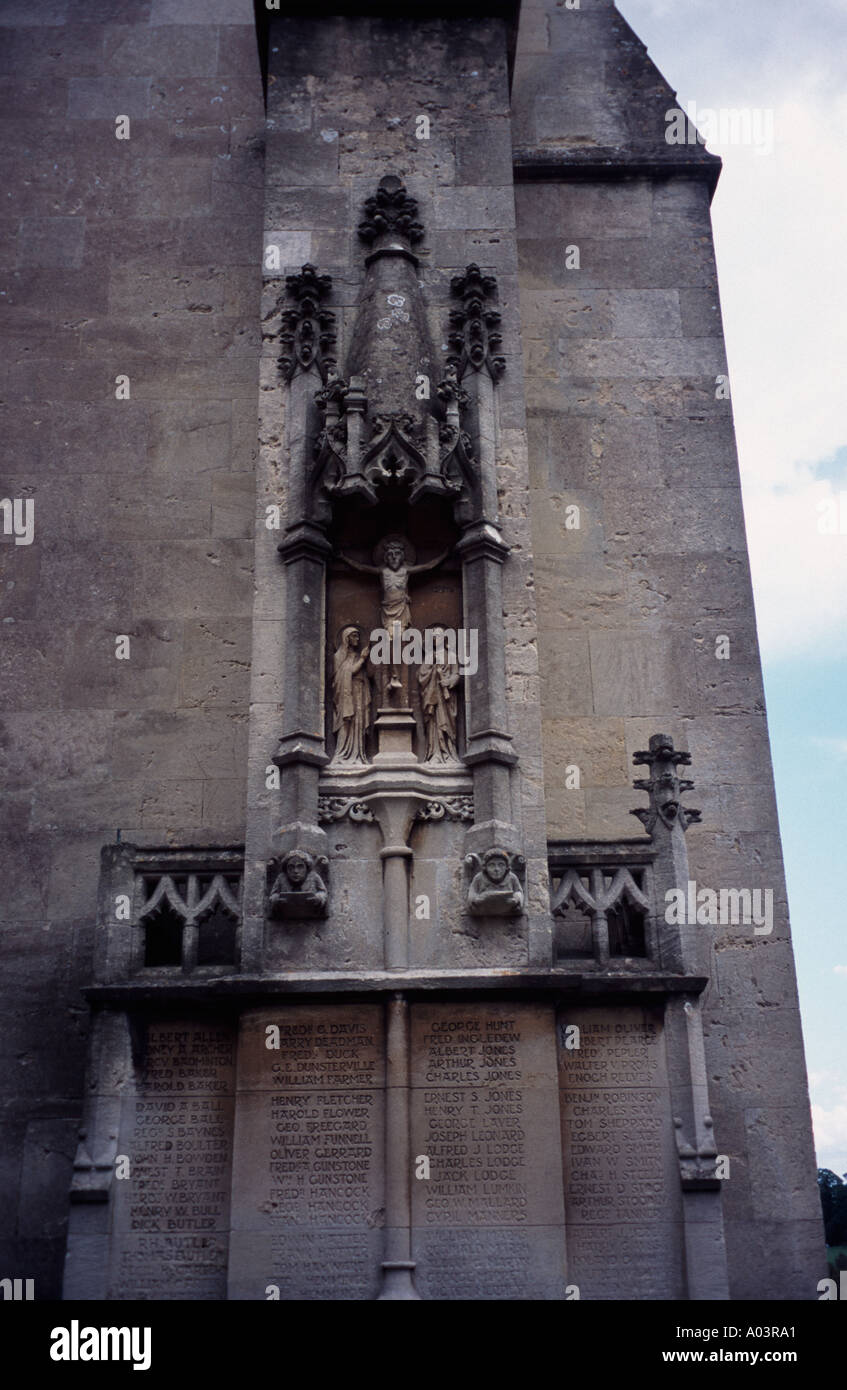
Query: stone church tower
<point x="387" y="524"/>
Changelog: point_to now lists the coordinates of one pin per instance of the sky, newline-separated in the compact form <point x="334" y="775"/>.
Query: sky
<point x="780" y="219"/>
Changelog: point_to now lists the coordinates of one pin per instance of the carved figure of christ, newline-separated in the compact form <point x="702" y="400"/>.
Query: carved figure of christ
<point x="396" y="608"/>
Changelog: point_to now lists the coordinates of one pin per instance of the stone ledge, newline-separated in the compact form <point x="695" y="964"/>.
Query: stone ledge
<point x="241" y="989"/>
<point x="543" y="162"/>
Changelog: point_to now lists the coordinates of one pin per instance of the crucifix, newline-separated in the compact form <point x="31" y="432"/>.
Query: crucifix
<point x="394" y="570"/>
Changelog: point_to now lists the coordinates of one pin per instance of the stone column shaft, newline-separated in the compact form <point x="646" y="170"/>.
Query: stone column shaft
<point x="397" y="1265"/>
<point x="395" y="887"/>
<point x="489" y="751"/>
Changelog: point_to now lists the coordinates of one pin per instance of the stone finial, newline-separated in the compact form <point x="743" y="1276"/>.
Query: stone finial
<point x="391" y="212"/>
<point x="663" y="785"/>
<point x="308" y="331"/>
<point x="474" y="338"/>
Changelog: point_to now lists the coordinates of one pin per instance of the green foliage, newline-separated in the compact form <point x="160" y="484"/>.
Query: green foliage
<point x="833" y="1192"/>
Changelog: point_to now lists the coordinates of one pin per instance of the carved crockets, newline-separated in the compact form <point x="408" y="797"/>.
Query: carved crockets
<point x="495" y="890"/>
<point x="664" y="786"/>
<point x="391" y="212"/>
<point x="299" y="886"/>
<point x="475" y="337"/>
<point x="308" y="330"/>
<point x="392" y="427"/>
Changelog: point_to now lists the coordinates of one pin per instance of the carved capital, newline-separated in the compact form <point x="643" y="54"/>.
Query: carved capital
<point x="305" y="541"/>
<point x="333" y="808"/>
<point x="455" y="808"/>
<point x="482" y="541"/>
<point x="92" y="1176"/>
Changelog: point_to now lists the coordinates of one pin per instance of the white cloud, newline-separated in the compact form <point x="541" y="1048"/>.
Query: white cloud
<point x="819" y="1078"/>
<point x="835" y="746"/>
<point x="779" y="225"/>
<point x="839" y="970"/>
<point x="830" y="1126"/>
<point x="779" y="230"/>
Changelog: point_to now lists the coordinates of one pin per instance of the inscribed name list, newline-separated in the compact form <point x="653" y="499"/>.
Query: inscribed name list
<point x="621" y="1186"/>
<point x="308" y="1170"/>
<point x="171" y="1214"/>
<point x="483" y="1112"/>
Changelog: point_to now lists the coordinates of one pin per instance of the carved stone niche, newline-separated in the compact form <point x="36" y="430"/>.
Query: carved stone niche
<point x="497" y="885"/>
<point x="298" y="885"/>
<point x="372" y="693"/>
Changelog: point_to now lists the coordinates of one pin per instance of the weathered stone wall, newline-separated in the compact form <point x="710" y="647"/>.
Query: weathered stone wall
<point x="142" y="258"/>
<point x="138" y="257"/>
<point x="626" y="421"/>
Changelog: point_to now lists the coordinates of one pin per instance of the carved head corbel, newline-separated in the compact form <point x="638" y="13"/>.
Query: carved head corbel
<point x="298" y="886"/>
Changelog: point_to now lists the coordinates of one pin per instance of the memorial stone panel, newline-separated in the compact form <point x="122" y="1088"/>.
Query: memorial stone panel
<point x="308" y="1164"/>
<point x="622" y="1194"/>
<point x="487" y="1222"/>
<point x="170" y="1215"/>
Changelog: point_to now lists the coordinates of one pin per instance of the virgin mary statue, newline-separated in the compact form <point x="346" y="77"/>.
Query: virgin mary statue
<point x="351" y="697"/>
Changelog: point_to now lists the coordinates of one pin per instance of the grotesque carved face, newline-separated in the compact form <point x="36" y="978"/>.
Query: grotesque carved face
<point x="296" y="869"/>
<point x="395" y="554"/>
<point x="497" y="867"/>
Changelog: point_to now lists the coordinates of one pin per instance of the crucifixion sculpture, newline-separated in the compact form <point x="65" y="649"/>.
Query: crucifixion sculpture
<point x="393" y="555"/>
